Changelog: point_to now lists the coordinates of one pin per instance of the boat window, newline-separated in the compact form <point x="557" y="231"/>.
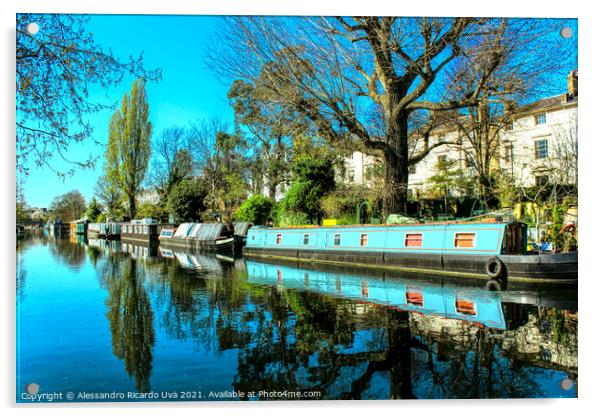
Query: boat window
<point x="278" y="238"/>
<point x="364" y="240"/>
<point x="305" y="239"/>
<point x="337" y="239"/>
<point x="466" y="307"/>
<point x="413" y="240"/>
<point x="414" y="297"/>
<point x="464" y="240"/>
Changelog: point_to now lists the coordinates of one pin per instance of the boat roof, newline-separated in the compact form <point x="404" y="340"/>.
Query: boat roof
<point x="300" y="227"/>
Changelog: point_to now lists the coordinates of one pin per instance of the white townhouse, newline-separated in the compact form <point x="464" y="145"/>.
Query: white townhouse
<point x="538" y="146"/>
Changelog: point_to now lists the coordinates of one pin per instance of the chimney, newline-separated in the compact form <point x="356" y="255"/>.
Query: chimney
<point x="572" y="83"/>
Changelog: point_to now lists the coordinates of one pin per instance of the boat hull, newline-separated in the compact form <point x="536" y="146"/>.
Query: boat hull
<point x="222" y="245"/>
<point x="559" y="268"/>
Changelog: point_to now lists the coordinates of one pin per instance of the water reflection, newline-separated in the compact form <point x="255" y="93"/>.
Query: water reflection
<point x="131" y="321"/>
<point x="70" y="252"/>
<point x="249" y="325"/>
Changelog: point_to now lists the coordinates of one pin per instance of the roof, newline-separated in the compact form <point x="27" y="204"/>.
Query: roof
<point x="546" y="103"/>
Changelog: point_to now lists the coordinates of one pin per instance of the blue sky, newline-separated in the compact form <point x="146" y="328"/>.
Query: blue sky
<point x="187" y="92"/>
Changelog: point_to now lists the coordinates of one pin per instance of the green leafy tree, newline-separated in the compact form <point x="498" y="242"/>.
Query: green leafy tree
<point x="93" y="213"/>
<point x="56" y="68"/>
<point x="129" y="146"/>
<point x="21" y="204"/>
<point x="449" y="180"/>
<point x="152" y="210"/>
<point x="257" y="209"/>
<point x="68" y="207"/>
<point x="186" y="201"/>
<point x="271" y="126"/>
<point x="313" y="178"/>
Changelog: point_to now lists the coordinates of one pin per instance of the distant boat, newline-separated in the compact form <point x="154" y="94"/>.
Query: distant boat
<point x="145" y="231"/>
<point x="198" y="236"/>
<point x="107" y="230"/>
<point x="493" y="250"/>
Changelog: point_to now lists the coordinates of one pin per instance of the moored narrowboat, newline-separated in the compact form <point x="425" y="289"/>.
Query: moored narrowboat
<point x="495" y="250"/>
<point x="78" y="227"/>
<point x="144" y="231"/>
<point x="240" y="234"/>
<point x="199" y="236"/>
<point x="106" y="230"/>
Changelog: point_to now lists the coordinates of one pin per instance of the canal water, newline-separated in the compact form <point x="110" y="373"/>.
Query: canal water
<point x="111" y="321"/>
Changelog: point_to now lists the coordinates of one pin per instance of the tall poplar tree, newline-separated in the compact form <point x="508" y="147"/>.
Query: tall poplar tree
<point x="129" y="147"/>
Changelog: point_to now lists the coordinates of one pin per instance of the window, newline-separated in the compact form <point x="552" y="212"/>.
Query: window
<point x="414" y="297"/>
<point x="469" y="162"/>
<point x="337" y="239"/>
<point x="465" y="307"/>
<point x="368" y="173"/>
<point x="510" y="126"/>
<point x="364" y="240"/>
<point x="541" y="149"/>
<point x="540" y="118"/>
<point x="278" y="238"/>
<point x="508" y="153"/>
<point x="413" y="240"/>
<point x="351" y="175"/>
<point x="412" y="169"/>
<point x="464" y="240"/>
<point x="305" y="239"/>
<point x="442" y="158"/>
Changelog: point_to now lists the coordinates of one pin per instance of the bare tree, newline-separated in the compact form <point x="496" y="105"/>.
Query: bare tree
<point x="172" y="161"/>
<point x="55" y="70"/>
<point x="337" y="72"/>
<point x="221" y="162"/>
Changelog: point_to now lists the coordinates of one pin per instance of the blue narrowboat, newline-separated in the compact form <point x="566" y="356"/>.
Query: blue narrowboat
<point x="493" y="250"/>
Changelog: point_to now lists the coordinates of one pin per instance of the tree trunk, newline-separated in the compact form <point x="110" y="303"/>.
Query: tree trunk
<point x="396" y="167"/>
<point x="272" y="189"/>
<point x="132" y="204"/>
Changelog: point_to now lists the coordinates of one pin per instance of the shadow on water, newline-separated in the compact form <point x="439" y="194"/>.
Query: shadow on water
<point x="344" y="334"/>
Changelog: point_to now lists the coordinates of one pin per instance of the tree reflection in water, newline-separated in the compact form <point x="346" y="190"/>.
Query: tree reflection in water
<point x="302" y="341"/>
<point x="131" y="322"/>
<point x="68" y="252"/>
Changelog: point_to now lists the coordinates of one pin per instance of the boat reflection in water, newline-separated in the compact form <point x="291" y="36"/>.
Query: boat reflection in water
<point x="480" y="307"/>
<point x="143" y="318"/>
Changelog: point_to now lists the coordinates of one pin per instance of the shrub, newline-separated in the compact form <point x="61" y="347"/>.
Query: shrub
<point x="291" y="218"/>
<point x="186" y="200"/>
<point x="256" y="209"/>
<point x="344" y="200"/>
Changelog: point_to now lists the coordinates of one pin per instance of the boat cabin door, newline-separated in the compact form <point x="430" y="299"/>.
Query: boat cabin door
<point x="515" y="239"/>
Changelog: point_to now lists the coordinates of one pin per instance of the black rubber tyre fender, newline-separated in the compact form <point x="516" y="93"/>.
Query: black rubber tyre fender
<point x="494" y="285"/>
<point x="495" y="268"/>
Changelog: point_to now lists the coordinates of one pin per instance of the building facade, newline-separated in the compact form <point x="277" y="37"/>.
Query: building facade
<point x="536" y="145"/>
